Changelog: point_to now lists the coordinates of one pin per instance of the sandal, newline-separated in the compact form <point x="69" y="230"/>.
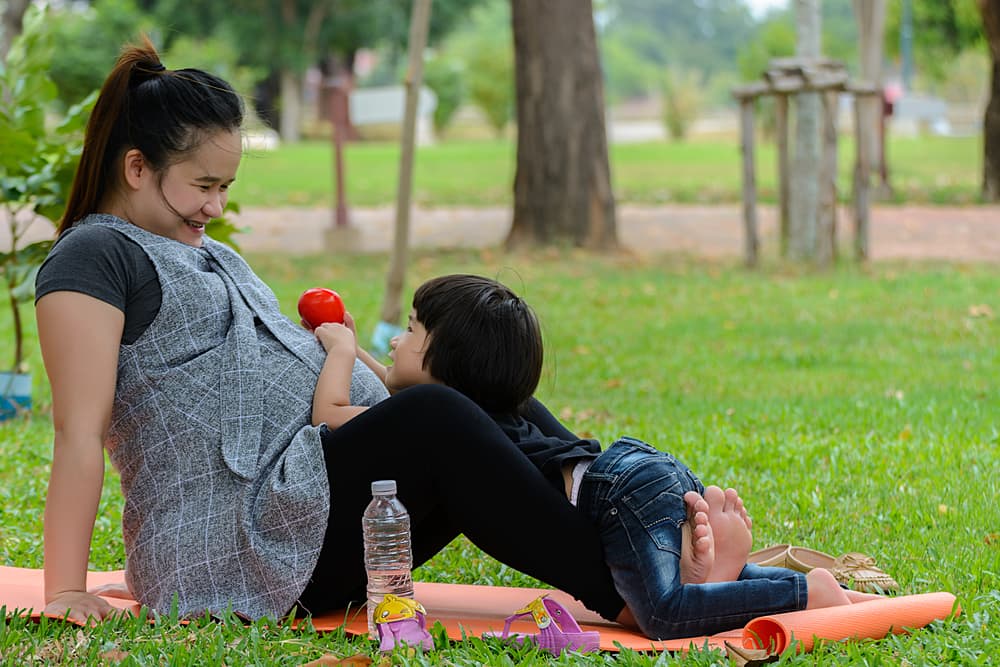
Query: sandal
<point x="558" y="631"/>
<point x="401" y="621"/>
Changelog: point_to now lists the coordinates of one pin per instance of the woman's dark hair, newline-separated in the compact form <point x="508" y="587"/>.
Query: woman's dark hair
<point x="483" y="340"/>
<point x="163" y="113"/>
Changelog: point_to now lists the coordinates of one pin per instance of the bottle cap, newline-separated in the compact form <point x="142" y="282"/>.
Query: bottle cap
<point x="384" y="487"/>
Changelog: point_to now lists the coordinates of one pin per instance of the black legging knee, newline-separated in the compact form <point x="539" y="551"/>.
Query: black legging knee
<point x="457" y="473"/>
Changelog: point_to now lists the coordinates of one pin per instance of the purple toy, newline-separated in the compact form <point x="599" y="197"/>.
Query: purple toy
<point x="558" y="631"/>
<point x="401" y="621"/>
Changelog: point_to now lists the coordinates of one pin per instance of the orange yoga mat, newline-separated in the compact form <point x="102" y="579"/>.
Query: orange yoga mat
<point x="466" y="610"/>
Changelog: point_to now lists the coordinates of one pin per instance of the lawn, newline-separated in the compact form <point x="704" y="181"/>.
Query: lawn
<point x="855" y="410"/>
<point x="480" y="173"/>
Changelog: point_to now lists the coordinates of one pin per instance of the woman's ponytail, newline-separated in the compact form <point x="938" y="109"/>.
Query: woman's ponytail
<point x="104" y="126"/>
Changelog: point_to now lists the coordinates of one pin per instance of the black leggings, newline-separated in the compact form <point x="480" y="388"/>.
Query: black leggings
<point x="457" y="472"/>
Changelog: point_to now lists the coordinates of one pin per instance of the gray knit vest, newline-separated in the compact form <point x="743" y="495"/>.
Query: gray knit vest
<point x="225" y="485"/>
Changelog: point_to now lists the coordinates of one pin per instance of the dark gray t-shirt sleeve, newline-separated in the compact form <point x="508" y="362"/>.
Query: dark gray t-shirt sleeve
<point x="99" y="262"/>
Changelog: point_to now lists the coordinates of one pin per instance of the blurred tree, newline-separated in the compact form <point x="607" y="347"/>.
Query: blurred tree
<point x="775" y="39"/>
<point x="280" y="39"/>
<point x="774" y="36"/>
<point x="485" y="45"/>
<point x="682" y="97"/>
<point x="13" y="23"/>
<point x="283" y="36"/>
<point x="490" y="75"/>
<point x="703" y="35"/>
<point x="218" y="56"/>
<point x="626" y="74"/>
<point x="562" y="187"/>
<point x="870" y="18"/>
<point x="176" y="19"/>
<point x="941" y="30"/>
<point x="840" y="33"/>
<point x="277" y="39"/>
<point x="90" y="39"/>
<point x="803" y="236"/>
<point x="446" y="77"/>
<point x="990" y="10"/>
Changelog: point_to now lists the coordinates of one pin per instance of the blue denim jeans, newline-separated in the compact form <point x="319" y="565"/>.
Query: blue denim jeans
<point x="635" y="494"/>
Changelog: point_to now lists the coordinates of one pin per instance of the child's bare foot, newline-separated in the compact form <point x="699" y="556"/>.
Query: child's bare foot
<point x="731" y="532"/>
<point x="823" y="590"/>
<point x="697" y="542"/>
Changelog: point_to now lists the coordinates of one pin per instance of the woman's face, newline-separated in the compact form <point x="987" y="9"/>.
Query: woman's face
<point x="178" y="202"/>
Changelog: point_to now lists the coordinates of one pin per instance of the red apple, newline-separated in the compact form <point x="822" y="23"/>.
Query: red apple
<point x="319" y="305"/>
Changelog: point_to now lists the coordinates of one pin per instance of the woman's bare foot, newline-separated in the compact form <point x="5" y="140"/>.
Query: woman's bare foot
<point x="858" y="596"/>
<point x="823" y="590"/>
<point x="731" y="532"/>
<point x="697" y="542"/>
<point x="743" y="512"/>
<point x="627" y="618"/>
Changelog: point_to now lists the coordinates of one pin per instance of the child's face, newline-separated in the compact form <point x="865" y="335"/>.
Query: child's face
<point x="407" y="354"/>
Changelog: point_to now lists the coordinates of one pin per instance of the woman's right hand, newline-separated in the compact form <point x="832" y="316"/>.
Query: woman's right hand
<point x="79" y="607"/>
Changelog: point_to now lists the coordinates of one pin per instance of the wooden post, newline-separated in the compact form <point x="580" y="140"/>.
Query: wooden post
<point x="870" y="17"/>
<point x="749" y="180"/>
<point x="781" y="139"/>
<point x="339" y="114"/>
<point x="419" y="23"/>
<point x="826" y="237"/>
<point x="861" y="183"/>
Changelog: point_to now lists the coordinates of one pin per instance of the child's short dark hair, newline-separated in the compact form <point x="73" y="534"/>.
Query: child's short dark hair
<point x="483" y="340"/>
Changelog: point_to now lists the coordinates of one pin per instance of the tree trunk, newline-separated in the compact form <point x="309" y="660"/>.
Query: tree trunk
<point x="870" y="17"/>
<point x="990" y="9"/>
<point x="291" y="106"/>
<point x="13" y="17"/>
<point x="562" y="188"/>
<point x="804" y="205"/>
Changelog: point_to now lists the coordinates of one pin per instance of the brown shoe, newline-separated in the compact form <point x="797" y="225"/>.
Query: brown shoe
<point x="804" y="559"/>
<point x="855" y="570"/>
<point x="860" y="573"/>
<point x="775" y="555"/>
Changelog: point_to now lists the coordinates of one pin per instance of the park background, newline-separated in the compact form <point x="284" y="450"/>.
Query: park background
<point x="854" y="406"/>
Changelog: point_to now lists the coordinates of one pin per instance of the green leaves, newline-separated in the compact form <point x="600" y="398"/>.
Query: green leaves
<point x="39" y="157"/>
<point x="222" y="229"/>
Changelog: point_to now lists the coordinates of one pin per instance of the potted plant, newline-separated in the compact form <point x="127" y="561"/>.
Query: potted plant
<point x="37" y="163"/>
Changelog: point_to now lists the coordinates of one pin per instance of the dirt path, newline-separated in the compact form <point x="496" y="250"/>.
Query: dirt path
<point x="897" y="232"/>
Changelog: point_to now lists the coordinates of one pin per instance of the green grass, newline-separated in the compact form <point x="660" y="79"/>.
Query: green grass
<point x="855" y="410"/>
<point x="480" y="173"/>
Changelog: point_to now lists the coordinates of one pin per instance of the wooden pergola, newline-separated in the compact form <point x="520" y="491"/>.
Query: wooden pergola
<point x="784" y="79"/>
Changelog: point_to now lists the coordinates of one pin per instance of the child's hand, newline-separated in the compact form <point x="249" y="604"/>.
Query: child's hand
<point x="349" y="323"/>
<point x="335" y="337"/>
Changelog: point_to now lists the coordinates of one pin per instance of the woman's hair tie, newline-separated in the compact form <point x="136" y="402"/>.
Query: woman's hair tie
<point x="146" y="67"/>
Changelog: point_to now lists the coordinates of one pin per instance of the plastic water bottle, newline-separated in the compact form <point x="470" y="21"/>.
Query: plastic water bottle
<point x="388" y="555"/>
